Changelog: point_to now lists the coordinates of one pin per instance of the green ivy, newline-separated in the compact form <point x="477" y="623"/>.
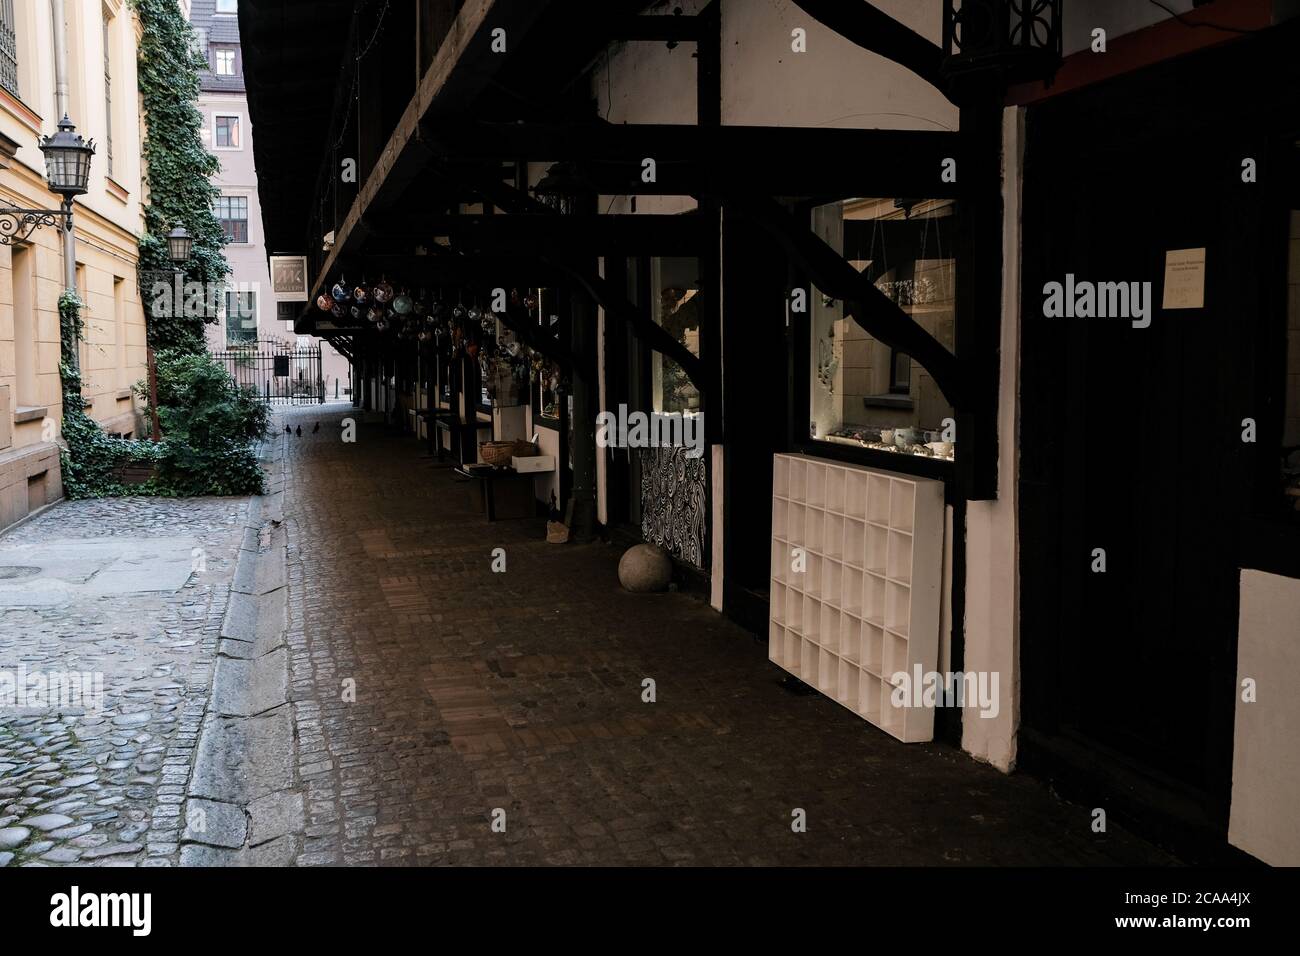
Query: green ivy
<point x="179" y="167"/>
<point x="89" y="458"/>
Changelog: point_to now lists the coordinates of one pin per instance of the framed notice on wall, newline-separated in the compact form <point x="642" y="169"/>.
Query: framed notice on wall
<point x="289" y="278"/>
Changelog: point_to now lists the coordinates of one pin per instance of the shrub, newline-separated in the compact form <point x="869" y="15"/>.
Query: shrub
<point x="208" y="426"/>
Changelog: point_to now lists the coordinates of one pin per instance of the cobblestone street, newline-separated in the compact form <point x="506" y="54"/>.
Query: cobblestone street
<point x="522" y="692"/>
<point x="107" y="787"/>
<point x="431" y="696"/>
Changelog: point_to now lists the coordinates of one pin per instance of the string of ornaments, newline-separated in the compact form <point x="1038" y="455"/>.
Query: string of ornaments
<point x="449" y="331"/>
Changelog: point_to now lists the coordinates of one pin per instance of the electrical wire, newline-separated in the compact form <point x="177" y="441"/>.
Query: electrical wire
<point x="1202" y="23"/>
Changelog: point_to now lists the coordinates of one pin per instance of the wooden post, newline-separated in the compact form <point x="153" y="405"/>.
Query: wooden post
<point x="153" y="396"/>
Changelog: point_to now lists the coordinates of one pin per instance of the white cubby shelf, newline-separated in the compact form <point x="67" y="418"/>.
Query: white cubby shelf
<point x="866" y="603"/>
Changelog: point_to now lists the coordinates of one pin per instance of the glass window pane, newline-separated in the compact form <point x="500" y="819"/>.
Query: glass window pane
<point x="675" y="305"/>
<point x="863" y="391"/>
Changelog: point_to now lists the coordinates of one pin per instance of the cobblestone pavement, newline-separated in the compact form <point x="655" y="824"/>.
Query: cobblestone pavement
<point x="480" y="692"/>
<point x="106" y="788"/>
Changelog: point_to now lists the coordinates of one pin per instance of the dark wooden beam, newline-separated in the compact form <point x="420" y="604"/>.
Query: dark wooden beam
<point x="517" y="202"/>
<point x="713" y="159"/>
<point x="533" y="234"/>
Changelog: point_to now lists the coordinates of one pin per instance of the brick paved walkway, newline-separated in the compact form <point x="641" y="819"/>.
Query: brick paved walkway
<point x="522" y="691"/>
<point x="107" y="787"/>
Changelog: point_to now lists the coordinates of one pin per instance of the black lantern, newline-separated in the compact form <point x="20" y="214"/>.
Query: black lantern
<point x="562" y="187"/>
<point x="67" y="160"/>
<point x="1017" y="40"/>
<point x="179" y="244"/>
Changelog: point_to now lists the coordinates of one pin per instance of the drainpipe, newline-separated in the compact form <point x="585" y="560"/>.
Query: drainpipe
<point x="61" y="109"/>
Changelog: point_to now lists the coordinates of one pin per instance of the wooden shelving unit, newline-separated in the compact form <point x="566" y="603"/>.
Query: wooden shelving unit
<point x="866" y="603"/>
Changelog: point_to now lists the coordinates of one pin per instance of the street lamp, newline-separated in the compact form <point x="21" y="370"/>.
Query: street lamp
<point x="179" y="245"/>
<point x="67" y="169"/>
<point x="67" y="161"/>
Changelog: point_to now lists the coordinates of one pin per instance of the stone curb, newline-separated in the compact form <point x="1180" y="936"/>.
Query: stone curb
<point x="241" y="807"/>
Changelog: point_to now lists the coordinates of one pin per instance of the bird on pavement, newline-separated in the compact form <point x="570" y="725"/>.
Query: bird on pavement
<point x="316" y="428"/>
<point x="298" y="431"/>
<point x="287" y="429"/>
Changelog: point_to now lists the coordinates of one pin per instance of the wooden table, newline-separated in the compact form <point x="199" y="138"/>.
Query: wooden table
<point x="505" y="492"/>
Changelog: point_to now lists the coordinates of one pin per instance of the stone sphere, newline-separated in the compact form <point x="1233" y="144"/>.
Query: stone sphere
<point x="645" y="568"/>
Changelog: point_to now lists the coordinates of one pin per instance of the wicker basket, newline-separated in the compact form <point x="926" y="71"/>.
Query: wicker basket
<point x="499" y="453"/>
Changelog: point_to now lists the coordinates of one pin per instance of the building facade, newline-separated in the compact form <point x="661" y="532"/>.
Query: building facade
<point x="831" y="235"/>
<point x="102" y="41"/>
<point x="250" y="314"/>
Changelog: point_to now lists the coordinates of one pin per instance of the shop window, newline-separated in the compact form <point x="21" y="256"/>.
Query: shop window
<point x="241" y="318"/>
<point x="864" y="392"/>
<point x="676" y="306"/>
<point x="232" y="213"/>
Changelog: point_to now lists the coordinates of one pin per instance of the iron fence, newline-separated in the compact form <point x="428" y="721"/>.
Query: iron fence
<point x="279" y="372"/>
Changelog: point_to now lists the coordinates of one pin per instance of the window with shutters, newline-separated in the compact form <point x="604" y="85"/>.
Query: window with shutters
<point x="108" y="93"/>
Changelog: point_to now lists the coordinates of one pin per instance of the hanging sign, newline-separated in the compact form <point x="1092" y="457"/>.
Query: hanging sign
<point x="1184" y="279"/>
<point x="289" y="278"/>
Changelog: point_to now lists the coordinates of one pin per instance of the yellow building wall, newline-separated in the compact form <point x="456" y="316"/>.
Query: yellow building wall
<point x="109" y="219"/>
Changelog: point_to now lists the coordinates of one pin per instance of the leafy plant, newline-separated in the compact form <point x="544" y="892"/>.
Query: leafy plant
<point x="179" y="166"/>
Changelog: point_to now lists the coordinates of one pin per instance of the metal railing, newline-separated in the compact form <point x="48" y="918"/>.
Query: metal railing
<point x="278" y="372"/>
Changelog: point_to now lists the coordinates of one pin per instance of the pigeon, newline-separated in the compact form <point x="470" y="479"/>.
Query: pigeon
<point x="287" y="429"/>
<point x="316" y="428"/>
<point x="298" y="431"/>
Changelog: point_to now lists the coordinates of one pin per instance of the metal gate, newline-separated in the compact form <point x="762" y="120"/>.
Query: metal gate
<point x="281" y="373"/>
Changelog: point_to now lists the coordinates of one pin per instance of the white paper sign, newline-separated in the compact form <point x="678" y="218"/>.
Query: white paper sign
<point x="1184" y="279"/>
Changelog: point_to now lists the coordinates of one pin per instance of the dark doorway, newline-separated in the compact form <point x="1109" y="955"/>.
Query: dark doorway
<point x="1130" y="445"/>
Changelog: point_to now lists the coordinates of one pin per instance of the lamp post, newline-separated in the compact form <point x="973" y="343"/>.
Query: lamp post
<point x="67" y="169"/>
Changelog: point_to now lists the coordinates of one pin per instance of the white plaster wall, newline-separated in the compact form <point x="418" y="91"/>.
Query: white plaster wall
<point x="992" y="556"/>
<point x="1264" y="819"/>
<point x="835" y="83"/>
